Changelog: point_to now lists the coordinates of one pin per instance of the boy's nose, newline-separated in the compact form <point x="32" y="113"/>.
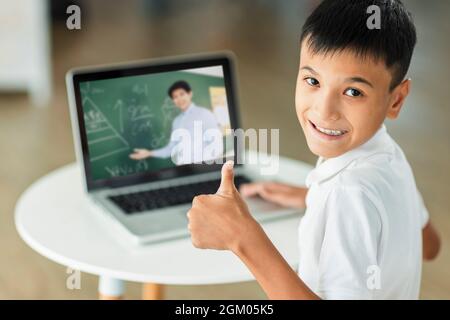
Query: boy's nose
<point x="327" y="108"/>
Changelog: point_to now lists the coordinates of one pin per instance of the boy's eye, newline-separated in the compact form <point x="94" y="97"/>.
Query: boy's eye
<point x="353" y="92"/>
<point x="312" y="81"/>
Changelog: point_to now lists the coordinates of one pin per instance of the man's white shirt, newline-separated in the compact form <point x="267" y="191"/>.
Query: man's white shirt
<point x="361" y="235"/>
<point x="195" y="137"/>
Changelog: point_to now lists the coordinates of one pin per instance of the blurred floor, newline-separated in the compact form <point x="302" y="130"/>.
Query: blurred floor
<point x="264" y="38"/>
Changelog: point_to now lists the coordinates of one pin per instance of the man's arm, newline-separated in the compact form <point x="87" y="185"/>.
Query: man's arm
<point x="163" y="152"/>
<point x="141" y="154"/>
<point x="431" y="242"/>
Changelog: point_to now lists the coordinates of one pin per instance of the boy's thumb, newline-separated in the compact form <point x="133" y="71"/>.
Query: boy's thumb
<point x="227" y="181"/>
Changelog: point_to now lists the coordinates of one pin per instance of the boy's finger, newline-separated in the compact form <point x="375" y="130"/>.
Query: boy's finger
<point x="227" y="182"/>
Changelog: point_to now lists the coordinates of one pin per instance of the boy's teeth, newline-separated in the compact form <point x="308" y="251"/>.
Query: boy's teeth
<point x="330" y="132"/>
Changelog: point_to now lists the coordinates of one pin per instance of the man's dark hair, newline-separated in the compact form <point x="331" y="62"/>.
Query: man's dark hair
<point x="336" y="25"/>
<point x="179" y="85"/>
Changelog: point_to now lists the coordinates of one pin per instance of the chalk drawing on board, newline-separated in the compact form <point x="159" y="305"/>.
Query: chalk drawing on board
<point x="169" y="111"/>
<point x="140" y="112"/>
<point x="119" y="105"/>
<point x="140" y="89"/>
<point x="157" y="141"/>
<point x="96" y="122"/>
<point x="126" y="169"/>
<point x="90" y="90"/>
<point x="140" y="127"/>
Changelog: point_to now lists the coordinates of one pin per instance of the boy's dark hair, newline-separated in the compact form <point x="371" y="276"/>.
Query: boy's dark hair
<point x="342" y="24"/>
<point x="179" y="85"/>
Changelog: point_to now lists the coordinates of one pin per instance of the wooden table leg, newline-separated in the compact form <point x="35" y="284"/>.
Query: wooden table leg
<point x="152" y="291"/>
<point x="110" y="288"/>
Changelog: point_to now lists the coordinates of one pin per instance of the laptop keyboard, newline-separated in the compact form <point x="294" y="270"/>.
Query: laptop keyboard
<point x="171" y="196"/>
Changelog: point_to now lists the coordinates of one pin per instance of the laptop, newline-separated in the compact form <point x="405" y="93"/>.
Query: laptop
<point x="136" y="173"/>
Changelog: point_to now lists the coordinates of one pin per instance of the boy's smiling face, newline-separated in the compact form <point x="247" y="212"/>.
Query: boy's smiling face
<point x="342" y="99"/>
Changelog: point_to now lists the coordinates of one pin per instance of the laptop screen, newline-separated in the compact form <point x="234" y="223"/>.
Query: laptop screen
<point x="155" y="125"/>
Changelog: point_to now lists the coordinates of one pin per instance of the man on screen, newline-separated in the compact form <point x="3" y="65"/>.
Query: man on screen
<point x="195" y="136"/>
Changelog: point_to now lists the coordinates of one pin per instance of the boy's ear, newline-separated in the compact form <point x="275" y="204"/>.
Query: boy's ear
<point x="398" y="98"/>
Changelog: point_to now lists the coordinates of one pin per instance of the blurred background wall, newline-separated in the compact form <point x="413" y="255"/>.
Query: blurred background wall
<point x="35" y="132"/>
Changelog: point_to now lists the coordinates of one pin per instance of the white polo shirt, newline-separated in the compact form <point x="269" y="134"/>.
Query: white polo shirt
<point x="196" y="122"/>
<point x="361" y="235"/>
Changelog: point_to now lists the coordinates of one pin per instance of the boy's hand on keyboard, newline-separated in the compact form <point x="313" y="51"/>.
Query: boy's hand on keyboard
<point x="221" y="221"/>
<point x="279" y="193"/>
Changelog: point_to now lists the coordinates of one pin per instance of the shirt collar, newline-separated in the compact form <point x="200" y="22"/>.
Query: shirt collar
<point x="189" y="108"/>
<point x="326" y="169"/>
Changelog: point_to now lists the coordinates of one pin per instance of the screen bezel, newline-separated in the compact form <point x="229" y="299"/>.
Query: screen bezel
<point x="128" y="70"/>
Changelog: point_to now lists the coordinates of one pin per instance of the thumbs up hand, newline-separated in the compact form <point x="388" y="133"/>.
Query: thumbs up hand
<point x="221" y="221"/>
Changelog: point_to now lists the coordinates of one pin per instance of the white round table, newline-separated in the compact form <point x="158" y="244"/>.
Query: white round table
<point x="53" y="218"/>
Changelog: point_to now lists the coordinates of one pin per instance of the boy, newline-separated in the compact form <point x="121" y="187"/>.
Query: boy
<point x="364" y="215"/>
<point x="181" y="94"/>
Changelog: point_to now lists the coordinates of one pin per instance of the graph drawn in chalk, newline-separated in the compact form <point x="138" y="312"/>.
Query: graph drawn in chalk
<point x="101" y="134"/>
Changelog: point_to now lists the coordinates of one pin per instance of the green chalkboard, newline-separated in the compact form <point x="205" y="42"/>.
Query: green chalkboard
<point x="124" y="113"/>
